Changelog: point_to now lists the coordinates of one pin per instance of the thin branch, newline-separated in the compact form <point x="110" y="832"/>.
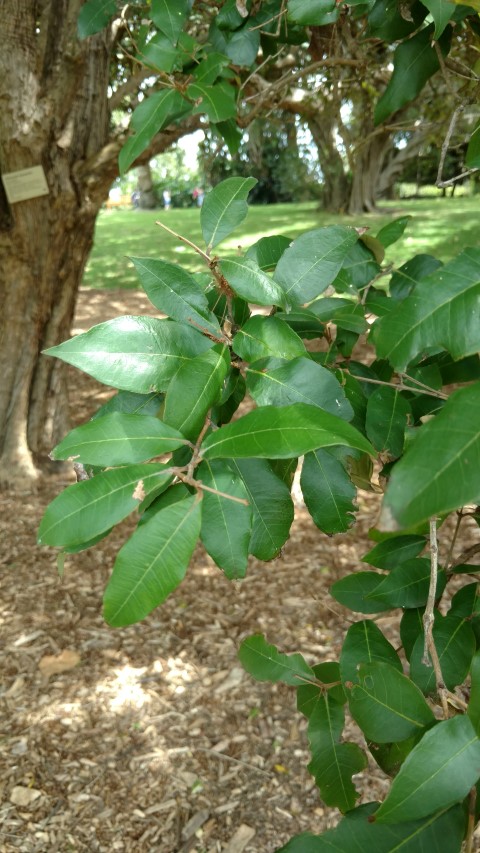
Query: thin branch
<point x="430" y="654"/>
<point x="472" y="802"/>
<point x="454" y="180"/>
<point x="466" y="555"/>
<point x="446" y="143"/>
<point x="399" y="386"/>
<point x="460" y="516"/>
<point x="185" y="240"/>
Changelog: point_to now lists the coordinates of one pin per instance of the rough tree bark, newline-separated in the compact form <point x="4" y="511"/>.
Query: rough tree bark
<point x="54" y="112"/>
<point x="147" y="199"/>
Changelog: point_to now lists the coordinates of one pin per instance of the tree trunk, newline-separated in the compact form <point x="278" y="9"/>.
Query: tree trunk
<point x="147" y="198"/>
<point x="336" y="183"/>
<point x="369" y="160"/>
<point x="54" y="113"/>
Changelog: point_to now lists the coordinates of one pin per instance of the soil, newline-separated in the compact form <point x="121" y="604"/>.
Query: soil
<point x="152" y="739"/>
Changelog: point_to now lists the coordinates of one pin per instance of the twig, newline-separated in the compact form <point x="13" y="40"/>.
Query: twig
<point x="185" y="240"/>
<point x="454" y="539"/>
<point x="399" y="386"/>
<point x="459" y="177"/>
<point x="430" y="654"/>
<point x="466" y="555"/>
<point x="472" y="802"/>
<point x="446" y="143"/>
<point x="231" y="758"/>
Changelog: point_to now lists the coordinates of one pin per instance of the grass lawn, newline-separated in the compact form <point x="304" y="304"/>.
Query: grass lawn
<point x="442" y="227"/>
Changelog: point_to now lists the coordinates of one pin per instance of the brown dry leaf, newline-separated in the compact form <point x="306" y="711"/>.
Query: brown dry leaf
<point x="55" y="664"/>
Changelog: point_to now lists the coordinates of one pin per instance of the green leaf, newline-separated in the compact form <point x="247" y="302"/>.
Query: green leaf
<point x="333" y="764"/>
<point x="129" y="403"/>
<point x="415" y="61"/>
<point x="386" y="21"/>
<point x="232" y="395"/>
<point x="439" y="772"/>
<point x="407" y="585"/>
<point x="247" y="280"/>
<point x="354" y="589"/>
<point x="194" y="389"/>
<point x="309" y="695"/>
<point x="406" y="277"/>
<point x="304" y="323"/>
<point x="217" y="101"/>
<point x="169" y="16"/>
<point x="311" y="12"/>
<point x="365" y="643"/>
<point x="230" y="133"/>
<point x="386" y="420"/>
<point x="443" y="311"/>
<point x="94" y="16"/>
<point x="264" y="337"/>
<point x="272" y="506"/>
<point x="312" y="262"/>
<point x="411" y="626"/>
<point x="210" y="68"/>
<point x="175" y="292"/>
<point x="472" y="160"/>
<point x="442" y="12"/>
<point x="392" y="552"/>
<point x="280" y="433"/>
<point x="158" y="53"/>
<point x="133" y="353"/>
<point x="465" y="601"/>
<point x="243" y="45"/>
<point x="267" y="251"/>
<point x="390" y="756"/>
<point x="443" y="832"/>
<point x="394" y="230"/>
<point x="86" y="509"/>
<point x="440" y="471"/>
<point x="455" y="643"/>
<point x="359" y="269"/>
<point x="118" y="439"/>
<point x="328" y="492"/>
<point x="386" y="704"/>
<point x="224" y="208"/>
<point x="266" y="663"/>
<point x="152" y="563"/>
<point x="301" y="380"/>
<point x="229" y="18"/>
<point x="474" y="700"/>
<point x="226" y="524"/>
<point x="149" y="118"/>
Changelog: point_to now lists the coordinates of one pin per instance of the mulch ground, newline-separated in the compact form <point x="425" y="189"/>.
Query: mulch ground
<point x="152" y="739"/>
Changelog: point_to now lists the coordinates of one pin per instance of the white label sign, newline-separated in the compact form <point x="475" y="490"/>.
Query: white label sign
<point x="25" y="184"/>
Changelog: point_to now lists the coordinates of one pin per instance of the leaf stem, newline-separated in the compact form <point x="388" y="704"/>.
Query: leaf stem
<point x="430" y="654"/>
<point x="187" y="241"/>
<point x="399" y="386"/>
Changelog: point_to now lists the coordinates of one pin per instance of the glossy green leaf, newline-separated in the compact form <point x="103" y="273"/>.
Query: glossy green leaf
<point x="169" y="16"/>
<point x="387" y="705"/>
<point x="472" y="160"/>
<point x="443" y="311"/>
<point x="152" y="563"/>
<point x="353" y="590"/>
<point x="385" y="21"/>
<point x="86" y="509"/>
<point x="210" y="68"/>
<point x="327" y="675"/>
<point x="392" y="552"/>
<point x="465" y="601"/>
<point x="217" y="101"/>
<point x="442" y="12"/>
<point x="231" y="134"/>
<point x="333" y="764"/>
<point x="267" y="337"/>
<point x="359" y="269"/>
<point x="94" y="16"/>
<point x="129" y="403"/>
<point x="386" y="420"/>
<point x="474" y="700"/>
<point x="159" y="53"/>
<point x="149" y="118"/>
<point x="267" y="251"/>
<point x="194" y="389"/>
<point x="311" y="12"/>
<point x="133" y="353"/>
<point x="224" y="208"/>
<point x="304" y="323"/>
<point x="455" y="643"/>
<point x="118" y="439"/>
<point x="272" y="506"/>
<point x="415" y="61"/>
<point x="407" y="585"/>
<point x="438" y="773"/>
<point x="443" y="832"/>
<point x="365" y="643"/>
<point x="226" y="524"/>
<point x="328" y="492"/>
<point x="406" y="277"/>
<point x="232" y="395"/>
<point x="440" y="471"/>
<point x="312" y="262"/>
<point x="228" y="17"/>
<point x="394" y="230"/>
<point x="300" y="380"/>
<point x="411" y="626"/>
<point x="390" y="756"/>
<point x="266" y="663"/>
<point x="280" y="433"/>
<point x="175" y="292"/>
<point x="247" y="280"/>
